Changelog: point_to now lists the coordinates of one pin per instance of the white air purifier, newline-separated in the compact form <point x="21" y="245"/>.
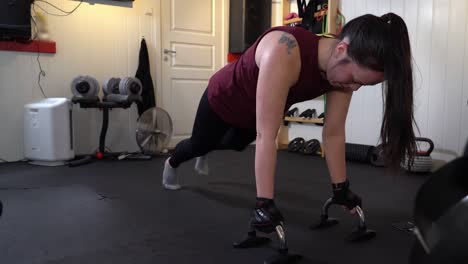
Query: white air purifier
<point x="48" y="132"/>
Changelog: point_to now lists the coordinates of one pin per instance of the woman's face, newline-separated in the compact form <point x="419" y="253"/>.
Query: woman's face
<point x="343" y="73"/>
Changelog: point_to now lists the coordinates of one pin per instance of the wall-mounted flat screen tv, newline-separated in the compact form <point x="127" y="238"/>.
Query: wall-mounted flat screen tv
<point x="15" y="19"/>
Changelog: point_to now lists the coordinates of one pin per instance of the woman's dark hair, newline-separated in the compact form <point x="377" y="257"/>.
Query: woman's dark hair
<point x="382" y="44"/>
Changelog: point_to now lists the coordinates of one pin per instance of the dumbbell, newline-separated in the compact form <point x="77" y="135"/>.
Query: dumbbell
<point x="111" y="86"/>
<point x="309" y="113"/>
<point x="124" y="90"/>
<point x="130" y="86"/>
<point x="84" y="88"/>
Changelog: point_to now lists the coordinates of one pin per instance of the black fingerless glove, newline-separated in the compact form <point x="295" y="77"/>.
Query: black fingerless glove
<point x="266" y="216"/>
<point x="342" y="195"/>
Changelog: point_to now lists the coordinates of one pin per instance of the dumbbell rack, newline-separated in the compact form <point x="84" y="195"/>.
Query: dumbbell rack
<point x="304" y="120"/>
<point x="331" y="28"/>
<point x="283" y="133"/>
<point x="104" y="106"/>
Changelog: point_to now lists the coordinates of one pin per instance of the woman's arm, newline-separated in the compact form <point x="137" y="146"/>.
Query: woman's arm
<point x="334" y="143"/>
<point x="278" y="59"/>
<point x="333" y="134"/>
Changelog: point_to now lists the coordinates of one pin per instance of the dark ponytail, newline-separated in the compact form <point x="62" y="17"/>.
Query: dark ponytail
<point x="382" y="44"/>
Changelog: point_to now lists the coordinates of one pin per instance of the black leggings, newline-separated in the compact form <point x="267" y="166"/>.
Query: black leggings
<point x="210" y="133"/>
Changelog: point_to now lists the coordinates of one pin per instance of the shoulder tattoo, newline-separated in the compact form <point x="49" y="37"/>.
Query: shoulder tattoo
<point x="286" y="39"/>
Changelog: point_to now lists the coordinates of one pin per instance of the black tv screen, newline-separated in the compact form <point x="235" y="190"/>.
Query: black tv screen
<point x="15" y="19"/>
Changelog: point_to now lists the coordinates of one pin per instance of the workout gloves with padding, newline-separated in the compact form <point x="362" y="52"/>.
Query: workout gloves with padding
<point x="266" y="216"/>
<point x="342" y="195"/>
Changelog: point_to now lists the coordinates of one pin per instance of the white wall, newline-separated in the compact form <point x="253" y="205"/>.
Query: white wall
<point x="439" y="37"/>
<point x="101" y="40"/>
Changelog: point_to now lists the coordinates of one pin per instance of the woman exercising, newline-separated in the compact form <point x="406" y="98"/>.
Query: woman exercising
<point x="246" y="101"/>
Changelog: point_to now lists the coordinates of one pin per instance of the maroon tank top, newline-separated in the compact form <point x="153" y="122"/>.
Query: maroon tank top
<point x="232" y="90"/>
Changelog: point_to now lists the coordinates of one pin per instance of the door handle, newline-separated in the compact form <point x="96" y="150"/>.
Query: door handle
<point x="166" y="51"/>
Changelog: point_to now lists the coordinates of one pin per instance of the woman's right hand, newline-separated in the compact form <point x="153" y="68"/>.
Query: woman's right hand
<point x="343" y="196"/>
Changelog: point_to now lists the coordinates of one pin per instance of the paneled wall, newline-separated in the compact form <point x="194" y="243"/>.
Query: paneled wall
<point x="438" y="33"/>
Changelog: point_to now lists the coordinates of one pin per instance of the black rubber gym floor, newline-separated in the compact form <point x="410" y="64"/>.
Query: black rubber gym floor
<point x="116" y="212"/>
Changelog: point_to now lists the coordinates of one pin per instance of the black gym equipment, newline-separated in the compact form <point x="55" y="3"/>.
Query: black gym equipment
<point x="253" y="241"/>
<point x="405" y="226"/>
<point x="87" y="98"/>
<point x="422" y="162"/>
<point x="283" y="256"/>
<point x="377" y="157"/>
<point x="85" y="88"/>
<point x="358" y="152"/>
<point x="321" y="116"/>
<point x="291" y="113"/>
<point x="310" y="147"/>
<point x="296" y="144"/>
<point x="362" y="233"/>
<point x="104" y="107"/>
<point x="130" y="85"/>
<point x="441" y="216"/>
<point x="128" y="90"/>
<point x="267" y="218"/>
<point x="309" y="113"/>
<point x="111" y="86"/>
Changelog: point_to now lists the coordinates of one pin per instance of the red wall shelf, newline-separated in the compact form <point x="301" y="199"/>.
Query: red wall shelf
<point x="33" y="46"/>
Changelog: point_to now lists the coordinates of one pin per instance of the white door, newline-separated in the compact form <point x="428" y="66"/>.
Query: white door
<point x="192" y="50"/>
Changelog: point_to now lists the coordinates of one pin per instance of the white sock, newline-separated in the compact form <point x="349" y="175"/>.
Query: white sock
<point x="201" y="165"/>
<point x="170" y="180"/>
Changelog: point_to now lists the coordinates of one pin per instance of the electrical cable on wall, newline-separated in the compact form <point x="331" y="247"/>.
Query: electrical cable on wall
<point x="42" y="73"/>
<point x="66" y="13"/>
